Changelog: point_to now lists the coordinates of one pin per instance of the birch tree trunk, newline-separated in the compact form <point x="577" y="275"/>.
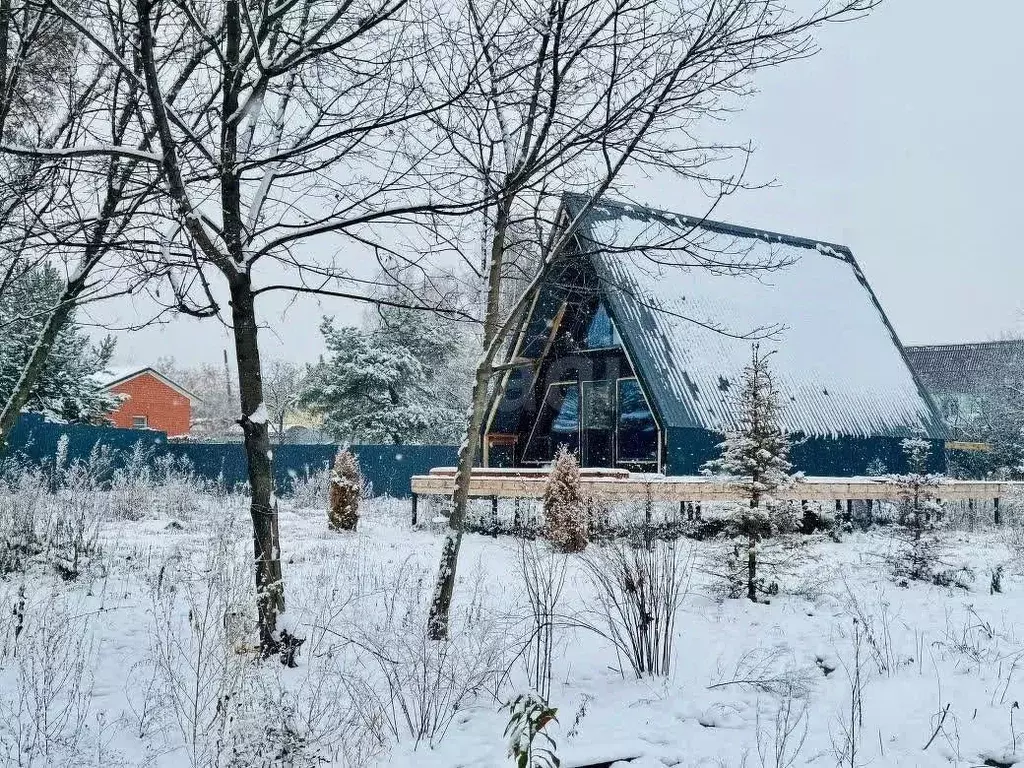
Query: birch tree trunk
<point x="440" y="606"/>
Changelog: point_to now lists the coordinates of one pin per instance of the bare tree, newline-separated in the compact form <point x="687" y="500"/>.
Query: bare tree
<point x="213" y="411"/>
<point x="283" y="384"/>
<point x="59" y="206"/>
<point x="275" y="130"/>
<point x="573" y="95"/>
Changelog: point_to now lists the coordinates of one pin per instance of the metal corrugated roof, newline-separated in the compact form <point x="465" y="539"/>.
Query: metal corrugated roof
<point x="967" y="369"/>
<point x="838" y="364"/>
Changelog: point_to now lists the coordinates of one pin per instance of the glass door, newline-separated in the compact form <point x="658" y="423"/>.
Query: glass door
<point x="637" y="431"/>
<point x="597" y="431"/>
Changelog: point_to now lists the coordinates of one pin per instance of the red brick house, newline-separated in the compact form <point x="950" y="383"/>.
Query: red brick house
<point x="153" y="401"/>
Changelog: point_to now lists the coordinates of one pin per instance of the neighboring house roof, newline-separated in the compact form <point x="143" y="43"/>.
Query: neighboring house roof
<point x="114" y="376"/>
<point x="838" y="363"/>
<point x="966" y="369"/>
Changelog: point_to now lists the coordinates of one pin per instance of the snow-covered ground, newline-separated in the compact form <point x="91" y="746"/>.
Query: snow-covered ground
<point x="145" y="657"/>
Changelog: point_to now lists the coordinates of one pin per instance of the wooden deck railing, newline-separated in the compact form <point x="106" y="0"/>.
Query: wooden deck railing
<point x="618" y="484"/>
<point x="615" y="484"/>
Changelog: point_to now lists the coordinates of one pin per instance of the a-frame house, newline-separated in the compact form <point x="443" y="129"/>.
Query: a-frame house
<point x="637" y="336"/>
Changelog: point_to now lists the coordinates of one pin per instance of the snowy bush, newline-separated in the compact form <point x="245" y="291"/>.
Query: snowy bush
<point x="639" y="590"/>
<point x="201" y="664"/>
<point x="565" y="509"/>
<point x="131" y="488"/>
<point x="310" y="488"/>
<point x="408" y="685"/>
<point x="37" y="527"/>
<point x="544" y="572"/>
<point x="81" y="475"/>
<point x="46" y="679"/>
<point x="179" y="490"/>
<point x="781" y="740"/>
<point x="273" y="725"/>
<point x="346" y="490"/>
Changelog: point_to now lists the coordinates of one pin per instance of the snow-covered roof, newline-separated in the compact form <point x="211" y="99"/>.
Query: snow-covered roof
<point x="114" y="375"/>
<point x="838" y="363"/>
<point x="967" y="369"/>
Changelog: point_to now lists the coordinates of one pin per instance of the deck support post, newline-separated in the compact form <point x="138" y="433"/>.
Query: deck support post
<point x="997" y="517"/>
<point x="494" y="516"/>
<point x="415" y="510"/>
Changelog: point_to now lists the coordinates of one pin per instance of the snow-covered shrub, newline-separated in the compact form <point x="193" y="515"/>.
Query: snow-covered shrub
<point x="876" y="468"/>
<point x="639" y="590"/>
<point x="22" y="508"/>
<point x="37" y="527"/>
<point x="771" y="670"/>
<point x="848" y="735"/>
<point x="346" y="490"/>
<point x="876" y="619"/>
<point x="529" y="745"/>
<point x="544" y="571"/>
<point x="81" y="475"/>
<point x="45" y="677"/>
<point x="755" y="455"/>
<point x="781" y="740"/>
<point x="267" y="727"/>
<point x="565" y="509"/>
<point x="815" y="517"/>
<point x="131" y="488"/>
<point x="202" y="673"/>
<point x="178" y="489"/>
<point x="310" y="488"/>
<point x="409" y="686"/>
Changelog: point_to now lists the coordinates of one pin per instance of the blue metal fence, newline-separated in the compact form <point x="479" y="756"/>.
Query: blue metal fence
<point x="387" y="468"/>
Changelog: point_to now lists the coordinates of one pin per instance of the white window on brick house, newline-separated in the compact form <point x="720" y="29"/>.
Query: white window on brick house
<point x="140" y="422"/>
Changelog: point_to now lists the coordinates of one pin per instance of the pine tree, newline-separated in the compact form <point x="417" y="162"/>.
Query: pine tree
<point x="756" y="455"/>
<point x="919" y="553"/>
<point x="346" y="491"/>
<point x="394" y="382"/>
<point x="565" y="523"/>
<point x="70" y="387"/>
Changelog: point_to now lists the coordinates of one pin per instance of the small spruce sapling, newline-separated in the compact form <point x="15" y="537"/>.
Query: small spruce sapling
<point x="346" y="489"/>
<point x="529" y="745"/>
<point x="564" y="506"/>
<point x="755" y="455"/>
<point x="920" y="512"/>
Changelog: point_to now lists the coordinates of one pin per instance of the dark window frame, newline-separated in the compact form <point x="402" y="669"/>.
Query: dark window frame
<point x="541" y="414"/>
<point x="656" y="461"/>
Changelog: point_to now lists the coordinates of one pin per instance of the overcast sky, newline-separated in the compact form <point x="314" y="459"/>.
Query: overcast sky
<point x="900" y="139"/>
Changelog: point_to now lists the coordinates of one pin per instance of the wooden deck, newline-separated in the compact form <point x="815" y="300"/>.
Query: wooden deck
<point x="611" y="485"/>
